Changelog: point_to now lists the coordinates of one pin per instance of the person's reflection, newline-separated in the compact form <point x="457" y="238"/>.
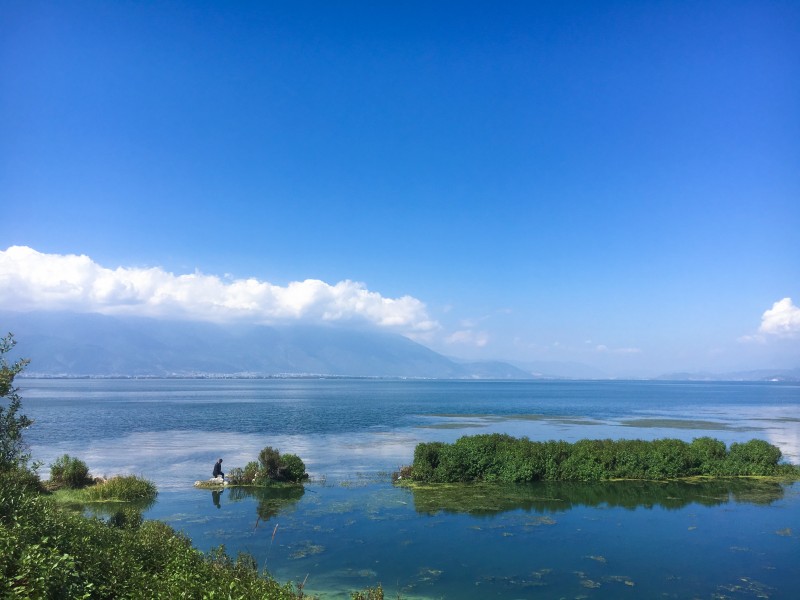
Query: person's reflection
<point x="215" y="495"/>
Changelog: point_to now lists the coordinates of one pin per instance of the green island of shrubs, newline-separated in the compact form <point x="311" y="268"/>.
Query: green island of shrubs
<point x="500" y="458"/>
<point x="272" y="468"/>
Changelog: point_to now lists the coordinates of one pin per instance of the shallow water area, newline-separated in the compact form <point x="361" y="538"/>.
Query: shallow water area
<point x="682" y="540"/>
<point x="350" y="527"/>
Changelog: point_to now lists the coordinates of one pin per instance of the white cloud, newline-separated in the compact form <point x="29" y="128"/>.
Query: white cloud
<point x="782" y="320"/>
<point x="31" y="280"/>
<point x="604" y="348"/>
<point x="467" y="337"/>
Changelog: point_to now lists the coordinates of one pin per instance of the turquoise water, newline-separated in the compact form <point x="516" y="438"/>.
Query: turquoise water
<point x="350" y="528"/>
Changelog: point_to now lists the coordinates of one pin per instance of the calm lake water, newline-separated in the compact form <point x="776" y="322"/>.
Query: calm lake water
<point x="350" y="528"/>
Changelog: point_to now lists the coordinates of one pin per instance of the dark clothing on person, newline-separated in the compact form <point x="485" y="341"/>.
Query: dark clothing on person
<point x="218" y="470"/>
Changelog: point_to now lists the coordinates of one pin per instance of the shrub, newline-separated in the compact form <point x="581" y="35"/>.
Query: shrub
<point x="270" y="460"/>
<point x="271" y="466"/>
<point x="708" y="455"/>
<point x="251" y="474"/>
<point x="370" y="593"/>
<point x="70" y="472"/>
<point x="292" y="468"/>
<point x="126" y="518"/>
<point x="13" y="449"/>
<point x="426" y="460"/>
<point x="501" y="458"/>
<point x="755" y="457"/>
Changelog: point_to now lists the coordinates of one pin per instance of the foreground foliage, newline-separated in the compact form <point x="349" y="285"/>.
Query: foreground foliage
<point x="504" y="459"/>
<point x="46" y="552"/>
<point x="13" y="451"/>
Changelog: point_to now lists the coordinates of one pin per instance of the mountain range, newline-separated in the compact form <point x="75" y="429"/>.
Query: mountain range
<point x="94" y="345"/>
<point x="64" y="344"/>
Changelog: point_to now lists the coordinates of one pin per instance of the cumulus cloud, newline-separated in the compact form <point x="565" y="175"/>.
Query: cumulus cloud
<point x="31" y="280"/>
<point x="782" y="320"/>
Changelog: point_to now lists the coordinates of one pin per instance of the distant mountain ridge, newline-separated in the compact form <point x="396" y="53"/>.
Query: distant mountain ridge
<point x="752" y="375"/>
<point x="93" y="345"/>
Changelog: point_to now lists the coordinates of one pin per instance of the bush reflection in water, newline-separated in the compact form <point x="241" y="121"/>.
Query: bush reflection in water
<point x="548" y="497"/>
<point x="272" y="500"/>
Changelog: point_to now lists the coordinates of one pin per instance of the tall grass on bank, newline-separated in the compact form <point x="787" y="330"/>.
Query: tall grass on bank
<point x="504" y="459"/>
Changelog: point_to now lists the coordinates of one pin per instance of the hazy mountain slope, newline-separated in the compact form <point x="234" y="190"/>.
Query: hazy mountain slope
<point x="96" y="345"/>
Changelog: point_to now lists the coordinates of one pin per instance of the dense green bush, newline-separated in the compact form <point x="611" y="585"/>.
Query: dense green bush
<point x="70" y="472"/>
<point x="292" y="468"/>
<point x="272" y="466"/>
<point x="270" y="460"/>
<point x="755" y="457"/>
<point x="501" y="458"/>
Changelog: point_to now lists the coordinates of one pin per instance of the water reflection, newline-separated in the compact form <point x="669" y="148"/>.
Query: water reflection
<point x="549" y="497"/>
<point x="272" y="500"/>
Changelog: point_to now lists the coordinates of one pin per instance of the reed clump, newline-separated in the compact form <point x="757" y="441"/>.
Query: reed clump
<point x="122" y="488"/>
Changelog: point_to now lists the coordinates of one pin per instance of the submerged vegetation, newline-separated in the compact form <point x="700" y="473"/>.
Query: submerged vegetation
<point x="499" y="458"/>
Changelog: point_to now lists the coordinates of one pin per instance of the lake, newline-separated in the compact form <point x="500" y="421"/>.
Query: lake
<point x="349" y="527"/>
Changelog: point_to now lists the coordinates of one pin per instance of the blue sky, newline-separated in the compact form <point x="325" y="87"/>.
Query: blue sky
<point x="612" y="183"/>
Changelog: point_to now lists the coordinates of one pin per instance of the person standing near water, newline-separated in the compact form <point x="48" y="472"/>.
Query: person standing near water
<point x="218" y="469"/>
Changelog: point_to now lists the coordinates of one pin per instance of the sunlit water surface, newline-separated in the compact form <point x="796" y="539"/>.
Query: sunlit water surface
<point x="350" y="528"/>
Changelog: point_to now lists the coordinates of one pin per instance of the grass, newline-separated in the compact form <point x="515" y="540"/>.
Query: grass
<point x="121" y="488"/>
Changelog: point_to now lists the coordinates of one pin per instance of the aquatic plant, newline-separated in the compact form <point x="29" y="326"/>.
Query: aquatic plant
<point x="502" y="458"/>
